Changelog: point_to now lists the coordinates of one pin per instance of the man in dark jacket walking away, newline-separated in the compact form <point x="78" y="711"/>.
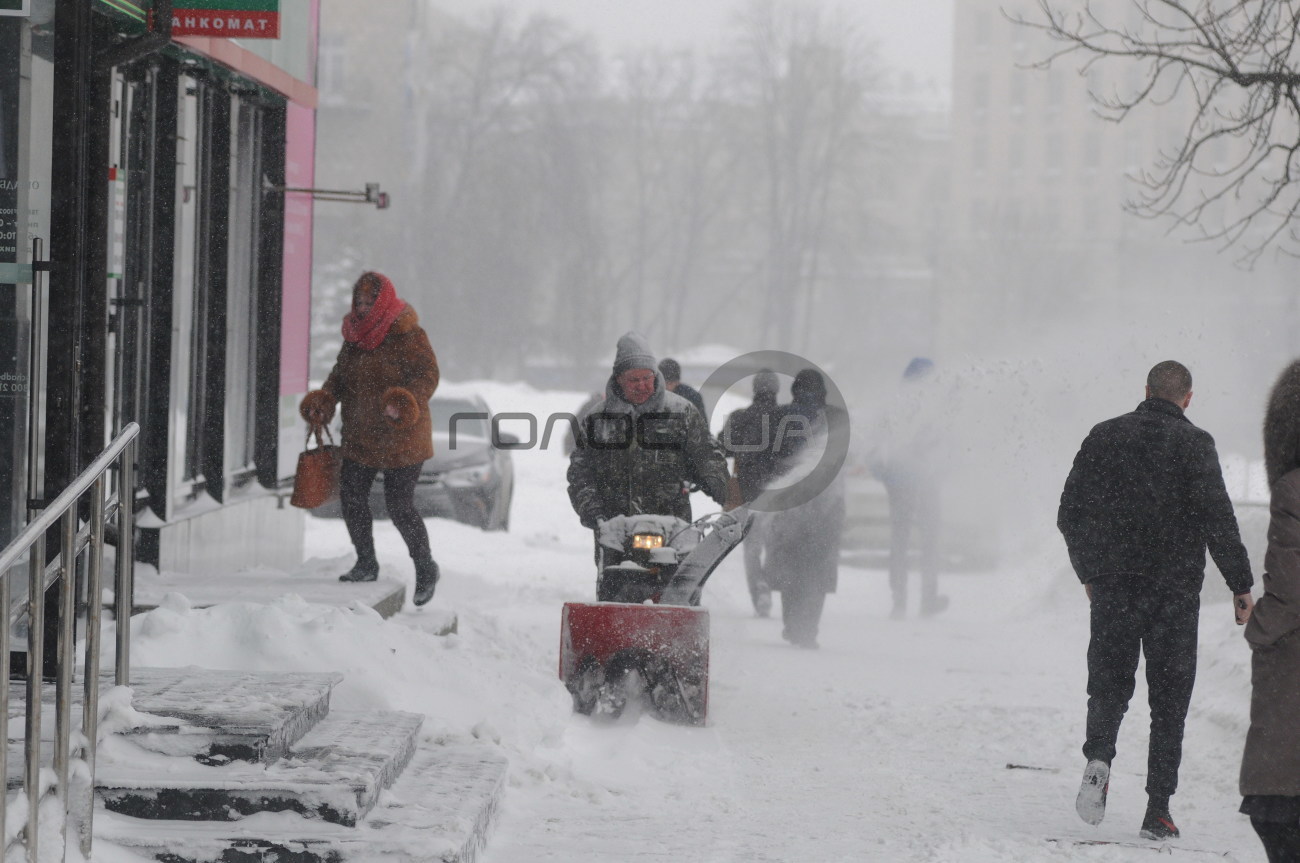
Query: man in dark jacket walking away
<point x="1143" y="501"/>
<point x="642" y="447"/>
<point x="750" y="436"/>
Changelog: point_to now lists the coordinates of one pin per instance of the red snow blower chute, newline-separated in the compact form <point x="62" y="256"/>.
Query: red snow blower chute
<point x="646" y="639"/>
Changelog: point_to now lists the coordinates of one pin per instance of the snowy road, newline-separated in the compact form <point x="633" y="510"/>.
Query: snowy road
<point x="891" y="743"/>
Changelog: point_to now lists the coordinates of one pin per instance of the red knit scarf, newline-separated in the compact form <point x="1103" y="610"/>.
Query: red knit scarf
<point x="368" y="332"/>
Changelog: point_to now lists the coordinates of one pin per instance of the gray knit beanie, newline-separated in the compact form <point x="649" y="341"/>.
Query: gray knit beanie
<point x="633" y="353"/>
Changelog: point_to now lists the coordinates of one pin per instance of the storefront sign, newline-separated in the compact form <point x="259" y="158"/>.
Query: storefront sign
<point x="229" y="19"/>
<point x="21" y="8"/>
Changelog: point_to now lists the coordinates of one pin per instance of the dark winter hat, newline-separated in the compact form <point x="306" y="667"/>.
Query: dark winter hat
<point x="919" y="367"/>
<point x="766" y="383"/>
<point x="633" y="353"/>
<point x="670" y="369"/>
<point x="808" y="386"/>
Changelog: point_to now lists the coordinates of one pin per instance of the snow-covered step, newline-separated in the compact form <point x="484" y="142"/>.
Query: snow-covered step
<point x="440" y="810"/>
<point x="228" y="715"/>
<point x="334" y="773"/>
<point x="213" y="716"/>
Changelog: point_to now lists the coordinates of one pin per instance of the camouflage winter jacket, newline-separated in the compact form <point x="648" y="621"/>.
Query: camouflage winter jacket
<point x="633" y="459"/>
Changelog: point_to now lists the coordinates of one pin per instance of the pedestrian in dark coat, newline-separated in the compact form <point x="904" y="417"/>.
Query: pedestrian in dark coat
<point x="1143" y="501"/>
<point x="750" y="436"/>
<point x="642" y="447"/>
<point x="672" y="372"/>
<point x="1270" y="765"/>
<point x="385" y="374"/>
<point x="803" y="542"/>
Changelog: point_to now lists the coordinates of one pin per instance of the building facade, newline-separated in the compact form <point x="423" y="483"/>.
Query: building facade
<point x="154" y="266"/>
<point x="1042" y="258"/>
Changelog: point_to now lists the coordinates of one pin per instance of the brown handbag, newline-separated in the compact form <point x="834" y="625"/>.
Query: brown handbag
<point x="316" y="482"/>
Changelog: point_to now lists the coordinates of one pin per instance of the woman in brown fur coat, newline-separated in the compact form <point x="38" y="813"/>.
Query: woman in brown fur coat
<point x="1270" y="766"/>
<point x="385" y="375"/>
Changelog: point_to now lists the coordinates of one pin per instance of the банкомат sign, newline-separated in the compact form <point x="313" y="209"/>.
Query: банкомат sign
<point x="231" y="19"/>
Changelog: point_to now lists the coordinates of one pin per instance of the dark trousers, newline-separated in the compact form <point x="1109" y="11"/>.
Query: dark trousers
<point x="1132" y="615"/>
<point x="1281" y="841"/>
<point x="802" y="601"/>
<point x="399" y="497"/>
<point x="913" y="506"/>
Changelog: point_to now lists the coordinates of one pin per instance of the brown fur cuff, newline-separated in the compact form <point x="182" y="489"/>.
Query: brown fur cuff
<point x="408" y="411"/>
<point x="317" y="400"/>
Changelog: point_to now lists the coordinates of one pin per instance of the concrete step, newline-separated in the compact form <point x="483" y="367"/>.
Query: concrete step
<point x="334" y="773"/>
<point x="212" y="716"/>
<point x="440" y="809"/>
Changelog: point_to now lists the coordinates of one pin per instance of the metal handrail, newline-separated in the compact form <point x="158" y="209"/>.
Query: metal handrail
<point x="31" y="541"/>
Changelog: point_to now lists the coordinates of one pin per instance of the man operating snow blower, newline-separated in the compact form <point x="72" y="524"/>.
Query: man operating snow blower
<point x="638" y="455"/>
<point x="643" y="447"/>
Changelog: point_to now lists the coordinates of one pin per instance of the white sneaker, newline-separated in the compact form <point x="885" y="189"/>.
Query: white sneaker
<point x="1091" y="802"/>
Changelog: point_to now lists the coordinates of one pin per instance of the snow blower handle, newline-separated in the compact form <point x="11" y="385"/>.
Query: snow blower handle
<point x="727" y="529"/>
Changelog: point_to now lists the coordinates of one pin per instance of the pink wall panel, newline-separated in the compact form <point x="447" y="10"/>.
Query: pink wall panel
<point x="295" y="321"/>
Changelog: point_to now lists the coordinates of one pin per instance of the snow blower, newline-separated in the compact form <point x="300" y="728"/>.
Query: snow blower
<point x="646" y="638"/>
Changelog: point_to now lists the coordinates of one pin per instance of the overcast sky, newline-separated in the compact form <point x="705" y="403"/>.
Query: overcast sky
<point x="915" y="36"/>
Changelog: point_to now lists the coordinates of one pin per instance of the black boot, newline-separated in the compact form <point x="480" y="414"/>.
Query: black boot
<point x="426" y="579"/>
<point x="366" y="569"/>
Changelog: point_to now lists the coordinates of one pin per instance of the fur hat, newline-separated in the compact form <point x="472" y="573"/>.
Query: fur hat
<point x="766" y="383"/>
<point x="1282" y="425"/>
<point x="809" y="386"/>
<point x="633" y="353"/>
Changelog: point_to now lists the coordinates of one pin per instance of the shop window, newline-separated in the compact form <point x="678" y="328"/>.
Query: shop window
<point x="242" y="307"/>
<point x="187" y="380"/>
<point x="200" y="282"/>
<point x="198" y="304"/>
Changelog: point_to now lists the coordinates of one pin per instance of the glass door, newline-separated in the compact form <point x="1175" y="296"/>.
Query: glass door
<point x="26" y="137"/>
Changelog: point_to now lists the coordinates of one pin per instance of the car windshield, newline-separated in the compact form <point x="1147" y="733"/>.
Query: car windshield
<point x="471" y="420"/>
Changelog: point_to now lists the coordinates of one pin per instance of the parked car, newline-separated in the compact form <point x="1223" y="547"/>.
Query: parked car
<point x="468" y="479"/>
<point x="967" y="542"/>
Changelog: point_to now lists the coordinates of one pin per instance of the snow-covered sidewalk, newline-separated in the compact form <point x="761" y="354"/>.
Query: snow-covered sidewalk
<point x="891" y="743"/>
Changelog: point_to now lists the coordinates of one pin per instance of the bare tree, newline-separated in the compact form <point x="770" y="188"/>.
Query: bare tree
<point x="509" y="221"/>
<point x="806" y="75"/>
<point x="675" y="179"/>
<point x="1232" y="67"/>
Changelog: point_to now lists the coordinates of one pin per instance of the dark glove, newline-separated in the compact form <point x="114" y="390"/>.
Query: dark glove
<point x="715" y="488"/>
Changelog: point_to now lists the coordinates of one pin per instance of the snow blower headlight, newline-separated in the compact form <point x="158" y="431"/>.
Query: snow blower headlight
<point x="647" y="540"/>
